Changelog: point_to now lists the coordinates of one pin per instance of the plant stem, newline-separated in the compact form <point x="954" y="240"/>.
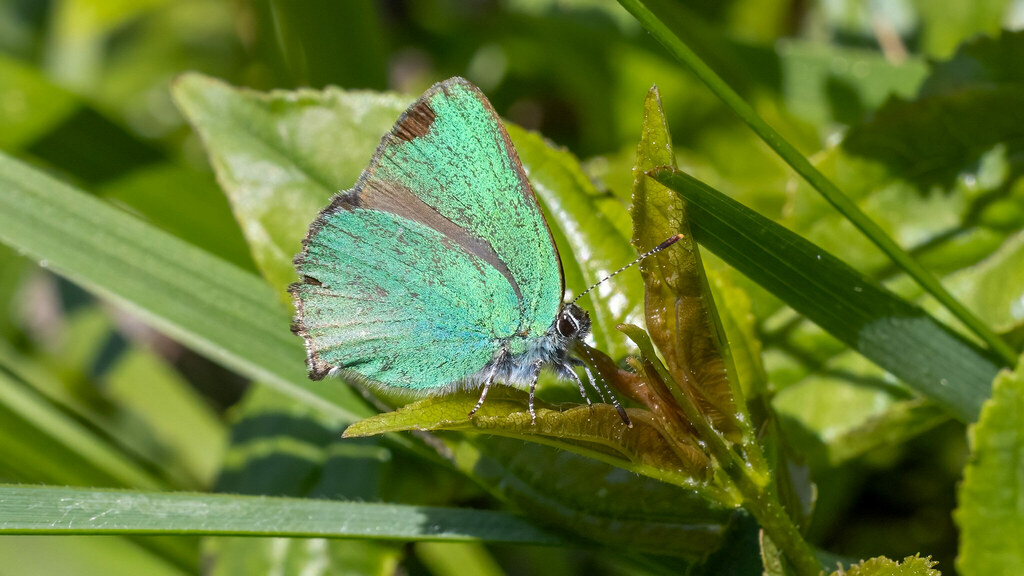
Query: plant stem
<point x="755" y="489"/>
<point x="816" y="179"/>
<point x="758" y="498"/>
<point x="777" y="524"/>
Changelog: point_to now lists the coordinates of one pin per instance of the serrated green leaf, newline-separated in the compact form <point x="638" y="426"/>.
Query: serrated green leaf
<point x="671" y="40"/>
<point x="911" y="566"/>
<point x="596" y="432"/>
<point x="967" y="106"/>
<point x="891" y="332"/>
<point x="827" y="82"/>
<point x="571" y="202"/>
<point x="280" y="156"/>
<point x="989" y="515"/>
<point x="232" y="317"/>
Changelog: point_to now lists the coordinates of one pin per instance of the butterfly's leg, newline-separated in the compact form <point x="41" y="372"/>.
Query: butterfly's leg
<point x="533" y="387"/>
<point x="565" y="371"/>
<point x="583" y="390"/>
<point x="615" y="400"/>
<point x="590" y="378"/>
<point x="487" y="386"/>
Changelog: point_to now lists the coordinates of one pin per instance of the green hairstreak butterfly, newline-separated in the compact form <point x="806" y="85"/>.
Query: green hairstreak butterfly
<point x="437" y="270"/>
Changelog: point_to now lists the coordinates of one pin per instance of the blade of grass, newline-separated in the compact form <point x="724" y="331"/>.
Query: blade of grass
<point x="52" y="510"/>
<point x="893" y="333"/>
<point x="218" y="309"/>
<point x="41" y="439"/>
<point x="849" y="209"/>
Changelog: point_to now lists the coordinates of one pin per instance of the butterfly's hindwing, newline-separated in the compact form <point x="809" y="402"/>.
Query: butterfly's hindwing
<point x="397" y="309"/>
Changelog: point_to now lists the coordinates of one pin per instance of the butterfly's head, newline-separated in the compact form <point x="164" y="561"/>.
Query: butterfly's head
<point x="573" y="322"/>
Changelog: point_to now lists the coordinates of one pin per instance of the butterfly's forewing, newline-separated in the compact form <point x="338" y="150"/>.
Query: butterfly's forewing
<point x="440" y="254"/>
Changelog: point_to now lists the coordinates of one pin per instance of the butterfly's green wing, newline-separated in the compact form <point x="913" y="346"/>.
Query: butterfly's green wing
<point x="437" y="259"/>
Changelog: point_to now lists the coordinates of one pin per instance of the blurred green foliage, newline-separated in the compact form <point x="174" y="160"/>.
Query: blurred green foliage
<point x="913" y="108"/>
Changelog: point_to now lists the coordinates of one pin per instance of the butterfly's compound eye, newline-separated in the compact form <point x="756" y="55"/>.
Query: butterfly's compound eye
<point x="567" y="325"/>
<point x="571" y="321"/>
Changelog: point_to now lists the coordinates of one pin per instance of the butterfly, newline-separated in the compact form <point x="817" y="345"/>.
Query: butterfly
<point x="437" y="270"/>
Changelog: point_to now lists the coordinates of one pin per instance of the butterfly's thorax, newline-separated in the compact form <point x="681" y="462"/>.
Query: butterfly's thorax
<point x="516" y="363"/>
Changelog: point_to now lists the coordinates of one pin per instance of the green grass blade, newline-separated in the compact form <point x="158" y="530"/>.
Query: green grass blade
<point x="51" y="510"/>
<point x="896" y="335"/>
<point x="222" y="311"/>
<point x="42" y="442"/>
<point x="678" y="48"/>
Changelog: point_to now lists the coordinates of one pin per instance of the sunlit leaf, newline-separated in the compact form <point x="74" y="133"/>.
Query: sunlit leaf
<point x="280" y="156"/>
<point x="679" y="306"/>
<point x="823" y="83"/>
<point x="910" y="566"/>
<point x="595" y="431"/>
<point x="994" y="288"/>
<point x="829" y="421"/>
<point x="989" y="514"/>
<point x="968" y="105"/>
<point x="740" y="327"/>
<point x="947" y="23"/>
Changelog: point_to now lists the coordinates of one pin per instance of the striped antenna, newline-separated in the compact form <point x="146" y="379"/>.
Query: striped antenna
<point x="650" y="252"/>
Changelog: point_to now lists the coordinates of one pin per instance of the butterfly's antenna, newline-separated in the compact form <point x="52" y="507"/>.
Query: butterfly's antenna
<point x="650" y="252"/>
